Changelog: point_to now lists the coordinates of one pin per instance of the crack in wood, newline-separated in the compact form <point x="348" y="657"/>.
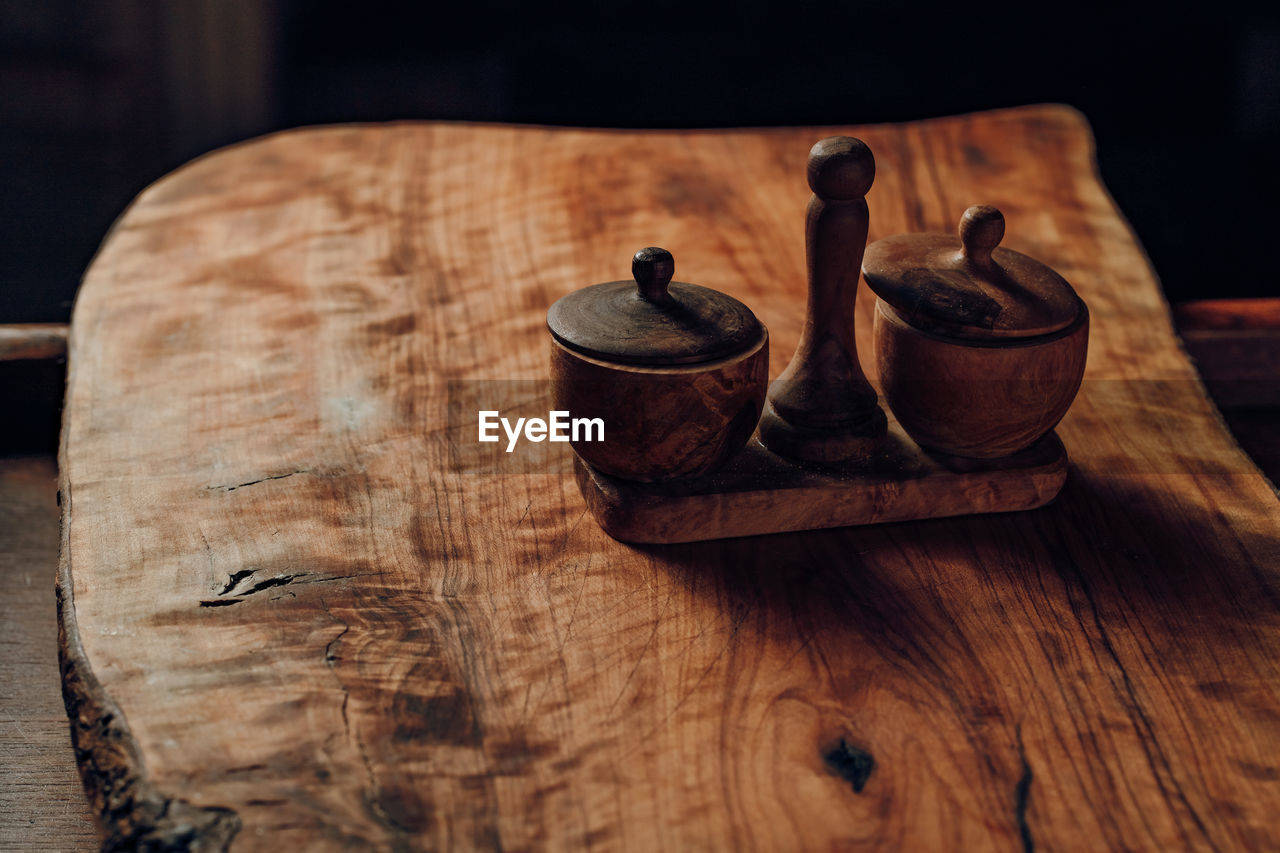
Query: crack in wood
<point x="232" y="488"/>
<point x="235" y="578"/>
<point x="279" y="580"/>
<point x="1161" y="771"/>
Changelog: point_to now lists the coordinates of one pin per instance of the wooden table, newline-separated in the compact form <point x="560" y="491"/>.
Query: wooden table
<point x="292" y="619"/>
<point x="41" y="807"/>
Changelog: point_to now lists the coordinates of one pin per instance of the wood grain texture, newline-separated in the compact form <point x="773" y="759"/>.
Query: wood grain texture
<point x="303" y="616"/>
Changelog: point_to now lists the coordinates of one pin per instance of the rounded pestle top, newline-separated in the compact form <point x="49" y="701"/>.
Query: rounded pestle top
<point x="841" y="168"/>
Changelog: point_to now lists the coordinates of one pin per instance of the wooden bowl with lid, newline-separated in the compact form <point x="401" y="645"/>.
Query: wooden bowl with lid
<point x="677" y="372"/>
<point x="981" y="349"/>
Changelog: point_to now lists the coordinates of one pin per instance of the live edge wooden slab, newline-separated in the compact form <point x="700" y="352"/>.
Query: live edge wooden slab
<point x="761" y="492"/>
<point x="289" y="622"/>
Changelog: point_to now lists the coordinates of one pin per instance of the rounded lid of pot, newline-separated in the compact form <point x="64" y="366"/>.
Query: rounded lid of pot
<point x="968" y="287"/>
<point x="652" y="320"/>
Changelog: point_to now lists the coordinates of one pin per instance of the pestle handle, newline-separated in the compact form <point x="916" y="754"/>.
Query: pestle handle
<point x="822" y="409"/>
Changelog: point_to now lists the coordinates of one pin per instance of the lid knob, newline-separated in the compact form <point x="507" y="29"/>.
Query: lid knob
<point x="981" y="230"/>
<point x="652" y="268"/>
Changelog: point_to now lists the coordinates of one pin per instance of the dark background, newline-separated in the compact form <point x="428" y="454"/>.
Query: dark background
<point x="100" y="97"/>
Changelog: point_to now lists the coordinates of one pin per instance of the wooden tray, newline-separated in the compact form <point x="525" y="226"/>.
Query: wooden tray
<point x="903" y="483"/>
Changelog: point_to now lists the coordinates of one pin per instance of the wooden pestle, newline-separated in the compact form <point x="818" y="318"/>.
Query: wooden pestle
<point x="821" y="408"/>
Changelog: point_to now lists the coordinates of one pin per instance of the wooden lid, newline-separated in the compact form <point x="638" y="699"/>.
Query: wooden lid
<point x="652" y="320"/>
<point x="966" y="287"/>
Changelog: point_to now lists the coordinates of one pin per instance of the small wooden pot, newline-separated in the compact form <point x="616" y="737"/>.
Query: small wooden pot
<point x="971" y="399"/>
<point x="981" y="350"/>
<point x="677" y="373"/>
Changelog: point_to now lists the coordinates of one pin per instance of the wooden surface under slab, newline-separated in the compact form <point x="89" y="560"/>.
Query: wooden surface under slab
<point x="42" y="807"/>
<point x="287" y="621"/>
